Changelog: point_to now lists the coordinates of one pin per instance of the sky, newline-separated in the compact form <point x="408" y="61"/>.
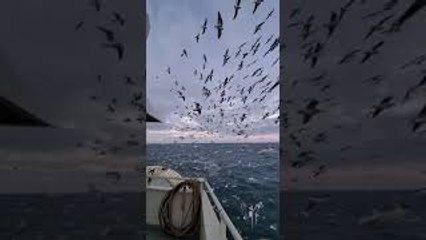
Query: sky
<point x="173" y="27"/>
<point x="359" y="151"/>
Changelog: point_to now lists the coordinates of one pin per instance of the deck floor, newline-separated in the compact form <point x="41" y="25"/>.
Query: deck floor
<point x="155" y="233"/>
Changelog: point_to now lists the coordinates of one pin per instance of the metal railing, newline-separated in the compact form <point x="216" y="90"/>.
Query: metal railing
<point x="225" y="221"/>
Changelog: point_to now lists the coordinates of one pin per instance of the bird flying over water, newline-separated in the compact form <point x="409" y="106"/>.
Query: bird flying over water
<point x="97" y="5"/>
<point x="270" y="14"/>
<point x="79" y="25"/>
<point x="420" y="120"/>
<point x="184" y="53"/>
<point x="256" y="5"/>
<point x="237" y="7"/>
<point x="226" y="57"/>
<point x="414" y="8"/>
<point x="108" y="33"/>
<point x="384" y="104"/>
<point x="310" y="111"/>
<point x="349" y="56"/>
<point x="332" y="24"/>
<point x="204" y="27"/>
<point x="373" y="51"/>
<point x="118" y="18"/>
<point x="377" y="27"/>
<point x="258" y="27"/>
<point x="414" y="88"/>
<point x="118" y="47"/>
<point x="219" y="25"/>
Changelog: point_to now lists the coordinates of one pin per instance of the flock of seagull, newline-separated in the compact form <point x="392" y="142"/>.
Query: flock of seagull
<point x="312" y="51"/>
<point x="113" y="105"/>
<point x="383" y="24"/>
<point x="226" y="104"/>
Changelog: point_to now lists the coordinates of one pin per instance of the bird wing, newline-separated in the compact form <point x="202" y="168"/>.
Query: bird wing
<point x="219" y="19"/>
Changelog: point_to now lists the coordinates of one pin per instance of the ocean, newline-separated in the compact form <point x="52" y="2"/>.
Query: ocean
<point x="244" y="177"/>
<point x="361" y="215"/>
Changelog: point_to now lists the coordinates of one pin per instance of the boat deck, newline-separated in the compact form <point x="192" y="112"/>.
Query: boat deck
<point x="155" y="233"/>
<point x="214" y="222"/>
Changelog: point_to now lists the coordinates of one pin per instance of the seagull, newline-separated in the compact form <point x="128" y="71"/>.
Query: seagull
<point x="93" y="98"/>
<point x="384" y="104"/>
<point x="118" y="47"/>
<point x="184" y="53"/>
<point x="219" y="25"/>
<point x="417" y="61"/>
<point x="294" y="12"/>
<point x="413" y="88"/>
<point x="118" y="18"/>
<point x="274" y="45"/>
<point x="226" y="57"/>
<point x="129" y="81"/>
<point x="257" y="4"/>
<point x="204" y="63"/>
<point x="110" y="108"/>
<point x="258" y="27"/>
<point x="420" y="119"/>
<point x="240" y="66"/>
<point x="372" y="51"/>
<point x="377" y="27"/>
<point x="97" y="4"/>
<point x="320" y="170"/>
<point x="238" y="53"/>
<point x="237" y="7"/>
<point x="79" y="25"/>
<point x="347" y="57"/>
<point x="108" y="33"/>
<point x="375" y="79"/>
<point x="269" y="39"/>
<point x="409" y="13"/>
<point x="204" y="27"/>
<point x="307" y="27"/>
<point x="270" y="14"/>
<point x="242" y="45"/>
<point x="274" y="86"/>
<point x="331" y="26"/>
<point x="197" y="37"/>
<point x="390" y="4"/>
<point x="310" y="111"/>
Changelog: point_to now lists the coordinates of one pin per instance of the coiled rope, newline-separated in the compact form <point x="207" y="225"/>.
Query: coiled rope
<point x="194" y="210"/>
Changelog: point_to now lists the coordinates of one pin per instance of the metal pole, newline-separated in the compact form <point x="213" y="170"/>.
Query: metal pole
<point x="232" y="229"/>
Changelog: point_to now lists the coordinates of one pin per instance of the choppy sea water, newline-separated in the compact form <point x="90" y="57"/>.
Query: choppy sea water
<point x="244" y="177"/>
<point x="363" y="215"/>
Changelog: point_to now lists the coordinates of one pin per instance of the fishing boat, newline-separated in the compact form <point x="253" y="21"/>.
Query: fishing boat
<point x="184" y="208"/>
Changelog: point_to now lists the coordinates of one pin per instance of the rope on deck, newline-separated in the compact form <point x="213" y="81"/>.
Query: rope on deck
<point x="194" y="210"/>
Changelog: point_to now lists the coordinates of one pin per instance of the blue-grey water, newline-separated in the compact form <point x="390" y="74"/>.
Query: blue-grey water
<point x="243" y="176"/>
<point x="361" y="215"/>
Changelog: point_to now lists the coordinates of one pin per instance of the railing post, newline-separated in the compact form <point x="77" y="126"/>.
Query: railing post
<point x="223" y="228"/>
<point x="224" y="218"/>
